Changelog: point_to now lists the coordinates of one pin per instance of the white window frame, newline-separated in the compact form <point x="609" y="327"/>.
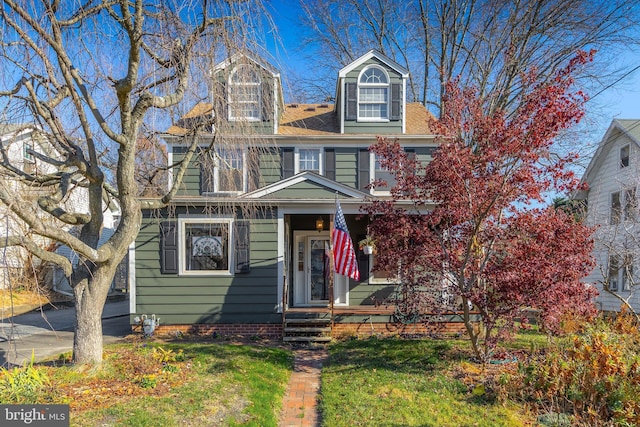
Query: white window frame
<point x="616" y="212"/>
<point x="296" y="159"/>
<point x="372" y="177"/>
<point x="625" y="160"/>
<point x="234" y="85"/>
<point x="28" y="157"/>
<point x="216" y="172"/>
<point x="626" y="272"/>
<point x="373" y="85"/>
<point x="182" y="251"/>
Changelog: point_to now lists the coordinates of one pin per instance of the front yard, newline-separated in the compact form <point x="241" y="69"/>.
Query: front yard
<point x="371" y="382"/>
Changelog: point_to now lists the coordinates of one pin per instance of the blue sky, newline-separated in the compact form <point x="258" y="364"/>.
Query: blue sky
<point x="622" y="102"/>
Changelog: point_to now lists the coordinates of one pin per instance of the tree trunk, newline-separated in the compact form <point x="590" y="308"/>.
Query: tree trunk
<point x="90" y="295"/>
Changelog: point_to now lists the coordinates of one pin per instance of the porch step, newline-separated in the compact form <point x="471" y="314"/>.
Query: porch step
<point x="297" y="328"/>
<point x="306" y="339"/>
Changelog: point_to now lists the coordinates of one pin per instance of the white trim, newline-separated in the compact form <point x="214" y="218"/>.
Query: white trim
<point x="233" y="86"/>
<point x="280" y="261"/>
<point x="132" y="278"/>
<point x="386" y="86"/>
<point x="306" y="176"/>
<point x="170" y="162"/>
<point x="343" y="100"/>
<point x="296" y="159"/>
<point x="200" y="219"/>
<point x="373" y="54"/>
<point x="404" y="105"/>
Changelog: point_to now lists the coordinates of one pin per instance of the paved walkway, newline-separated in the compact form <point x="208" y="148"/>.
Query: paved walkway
<point x="300" y="404"/>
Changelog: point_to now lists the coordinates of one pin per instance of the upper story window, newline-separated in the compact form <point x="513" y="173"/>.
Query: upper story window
<point x="296" y="159"/>
<point x="222" y="171"/>
<point x="624" y="156"/>
<point x="309" y="159"/>
<point x="373" y="94"/>
<point x="624" y="205"/>
<point x="244" y="94"/>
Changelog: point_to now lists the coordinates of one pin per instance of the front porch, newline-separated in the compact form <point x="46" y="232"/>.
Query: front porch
<point x="322" y="324"/>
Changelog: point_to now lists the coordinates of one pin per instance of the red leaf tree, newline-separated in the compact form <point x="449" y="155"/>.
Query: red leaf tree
<point x="466" y="232"/>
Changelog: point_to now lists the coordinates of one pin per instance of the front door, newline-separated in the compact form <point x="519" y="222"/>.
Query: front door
<point x="311" y="263"/>
<point x="318" y="269"/>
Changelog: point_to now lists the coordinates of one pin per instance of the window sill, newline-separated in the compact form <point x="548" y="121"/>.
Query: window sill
<point x="206" y="273"/>
<point x="372" y="120"/>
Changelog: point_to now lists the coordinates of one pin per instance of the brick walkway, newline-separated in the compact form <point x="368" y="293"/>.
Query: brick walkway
<point x="300" y="405"/>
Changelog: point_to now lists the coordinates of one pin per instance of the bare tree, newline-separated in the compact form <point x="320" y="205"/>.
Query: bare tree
<point x="99" y="78"/>
<point x="617" y="244"/>
<point x="485" y="43"/>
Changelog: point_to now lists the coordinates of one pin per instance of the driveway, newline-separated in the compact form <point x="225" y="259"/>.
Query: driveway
<point x="49" y="332"/>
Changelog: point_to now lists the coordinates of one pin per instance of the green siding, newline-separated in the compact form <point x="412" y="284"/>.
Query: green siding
<point x="269" y="166"/>
<point x="243" y="298"/>
<point x="347" y="166"/>
<point x="305" y="190"/>
<point x="191" y="179"/>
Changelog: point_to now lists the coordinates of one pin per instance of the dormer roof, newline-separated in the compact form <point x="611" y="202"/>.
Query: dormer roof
<point x="380" y="57"/>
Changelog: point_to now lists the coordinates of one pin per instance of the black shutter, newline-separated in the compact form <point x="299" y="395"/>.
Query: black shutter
<point x="220" y="101"/>
<point x="363" y="169"/>
<point x="351" y="110"/>
<point x="242" y="246"/>
<point x="396" y="101"/>
<point x="330" y="163"/>
<point x="286" y="162"/>
<point x="168" y="247"/>
<point x="253" y="168"/>
<point x="206" y="172"/>
<point x="267" y="99"/>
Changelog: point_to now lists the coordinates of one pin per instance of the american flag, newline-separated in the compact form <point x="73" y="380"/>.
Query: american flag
<point x="344" y="256"/>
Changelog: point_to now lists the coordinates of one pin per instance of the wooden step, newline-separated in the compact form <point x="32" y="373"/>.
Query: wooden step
<point x="306" y="327"/>
<point x="306" y="321"/>
<point x="288" y="329"/>
<point x="305" y="339"/>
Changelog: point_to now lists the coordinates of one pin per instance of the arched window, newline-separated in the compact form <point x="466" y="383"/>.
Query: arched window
<point x="244" y="93"/>
<point x="373" y="94"/>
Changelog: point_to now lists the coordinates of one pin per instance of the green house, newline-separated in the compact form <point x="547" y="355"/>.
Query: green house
<point x="243" y="248"/>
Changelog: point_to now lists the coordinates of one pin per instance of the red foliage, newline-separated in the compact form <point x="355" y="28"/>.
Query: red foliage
<point x="479" y="235"/>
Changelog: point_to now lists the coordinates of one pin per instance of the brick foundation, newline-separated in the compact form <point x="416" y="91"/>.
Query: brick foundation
<point x="340" y="330"/>
<point x="247" y="330"/>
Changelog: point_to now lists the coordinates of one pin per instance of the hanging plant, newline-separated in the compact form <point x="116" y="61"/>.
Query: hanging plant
<point x="367" y="245"/>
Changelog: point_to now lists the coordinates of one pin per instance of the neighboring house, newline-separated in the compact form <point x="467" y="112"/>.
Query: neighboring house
<point x="257" y="260"/>
<point x="20" y="145"/>
<point x="613" y="177"/>
<point x="119" y="284"/>
<point x="26" y="148"/>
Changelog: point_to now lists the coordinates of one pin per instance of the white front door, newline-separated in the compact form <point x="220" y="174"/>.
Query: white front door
<point x="311" y="263"/>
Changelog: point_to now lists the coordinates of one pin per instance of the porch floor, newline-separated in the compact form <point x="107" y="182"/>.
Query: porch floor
<point x="365" y="310"/>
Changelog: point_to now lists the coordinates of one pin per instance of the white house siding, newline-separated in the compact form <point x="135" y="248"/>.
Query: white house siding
<point x="13" y="138"/>
<point x="605" y="177"/>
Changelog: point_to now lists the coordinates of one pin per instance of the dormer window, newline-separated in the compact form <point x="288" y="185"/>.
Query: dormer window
<point x="244" y="94"/>
<point x="373" y="94"/>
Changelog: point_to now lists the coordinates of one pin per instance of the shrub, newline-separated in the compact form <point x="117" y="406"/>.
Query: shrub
<point x="593" y="375"/>
<point x="23" y="384"/>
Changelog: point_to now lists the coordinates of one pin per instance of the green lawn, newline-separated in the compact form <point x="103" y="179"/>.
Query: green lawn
<point x="373" y="382"/>
<point x="390" y="382"/>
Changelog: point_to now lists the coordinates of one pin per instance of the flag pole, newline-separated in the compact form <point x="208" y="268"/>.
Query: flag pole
<point x="331" y="261"/>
